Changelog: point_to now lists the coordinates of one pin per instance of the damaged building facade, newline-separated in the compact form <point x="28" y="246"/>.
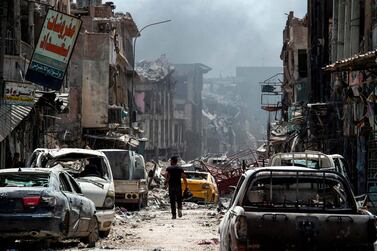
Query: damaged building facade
<point x="99" y="77"/>
<point x="337" y="112"/>
<point x="25" y="125"/>
<point x="188" y="107"/>
<point x="221" y="109"/>
<point x="154" y="93"/>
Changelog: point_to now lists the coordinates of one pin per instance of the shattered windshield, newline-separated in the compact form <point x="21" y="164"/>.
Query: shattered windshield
<point x="83" y="166"/>
<point x="297" y="193"/>
<point x="24" y="179"/>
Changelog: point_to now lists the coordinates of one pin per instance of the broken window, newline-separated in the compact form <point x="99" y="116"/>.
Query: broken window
<point x="21" y="179"/>
<point x="297" y="192"/>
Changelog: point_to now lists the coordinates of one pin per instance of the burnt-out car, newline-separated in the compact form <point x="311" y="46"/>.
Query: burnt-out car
<point x="42" y="204"/>
<point x="295" y="208"/>
<point x="91" y="170"/>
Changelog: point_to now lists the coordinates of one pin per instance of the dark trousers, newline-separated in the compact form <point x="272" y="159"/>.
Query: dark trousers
<point x="175" y="195"/>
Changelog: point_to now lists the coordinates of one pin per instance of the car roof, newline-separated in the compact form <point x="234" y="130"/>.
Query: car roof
<point x="113" y="150"/>
<point x="57" y="152"/>
<point x="195" y="172"/>
<point x="291" y="169"/>
<point x="27" y="170"/>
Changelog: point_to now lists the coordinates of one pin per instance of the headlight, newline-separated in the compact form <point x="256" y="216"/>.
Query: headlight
<point x="110" y="200"/>
<point x="241" y="228"/>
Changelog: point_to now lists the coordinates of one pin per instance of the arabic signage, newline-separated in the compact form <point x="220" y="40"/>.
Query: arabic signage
<point x="53" y="50"/>
<point x="19" y="93"/>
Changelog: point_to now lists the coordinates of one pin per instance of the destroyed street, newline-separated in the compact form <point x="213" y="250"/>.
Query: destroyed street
<point x="165" y="125"/>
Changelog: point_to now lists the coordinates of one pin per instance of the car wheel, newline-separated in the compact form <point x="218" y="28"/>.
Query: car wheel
<point x="93" y="234"/>
<point x="104" y="234"/>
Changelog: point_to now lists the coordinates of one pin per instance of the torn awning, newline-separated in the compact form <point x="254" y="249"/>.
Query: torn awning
<point x="10" y="117"/>
<point x="125" y="138"/>
<point x="357" y="62"/>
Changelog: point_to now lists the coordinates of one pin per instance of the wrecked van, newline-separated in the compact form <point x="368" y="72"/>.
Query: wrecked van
<point x="130" y="176"/>
<point x="91" y="170"/>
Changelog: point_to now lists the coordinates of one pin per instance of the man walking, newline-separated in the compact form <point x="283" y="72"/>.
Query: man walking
<point x="173" y="179"/>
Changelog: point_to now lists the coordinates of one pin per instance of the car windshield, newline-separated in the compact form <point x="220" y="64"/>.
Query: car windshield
<point x="82" y="166"/>
<point x="197" y="176"/>
<point x="301" y="193"/>
<point x="20" y="179"/>
<point x="315" y="161"/>
<point x="120" y="164"/>
<point x="311" y="163"/>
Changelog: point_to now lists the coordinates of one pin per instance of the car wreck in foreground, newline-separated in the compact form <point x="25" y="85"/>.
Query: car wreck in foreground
<point x="40" y="204"/>
<point x="302" y="209"/>
<point x="91" y="170"/>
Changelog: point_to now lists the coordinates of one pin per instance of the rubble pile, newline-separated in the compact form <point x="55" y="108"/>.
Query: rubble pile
<point x="154" y="70"/>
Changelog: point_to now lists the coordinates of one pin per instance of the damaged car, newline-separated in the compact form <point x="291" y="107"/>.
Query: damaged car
<point x="39" y="204"/>
<point x="203" y="187"/>
<point x="303" y="209"/>
<point x="91" y="170"/>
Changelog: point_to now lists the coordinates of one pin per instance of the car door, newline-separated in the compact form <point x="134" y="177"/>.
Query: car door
<point x="74" y="205"/>
<point x="84" y="204"/>
<point x="230" y="214"/>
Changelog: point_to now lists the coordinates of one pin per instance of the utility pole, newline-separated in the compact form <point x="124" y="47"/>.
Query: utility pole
<point x="3" y="20"/>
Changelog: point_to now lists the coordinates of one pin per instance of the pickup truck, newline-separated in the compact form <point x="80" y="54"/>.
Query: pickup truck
<point x="295" y="208"/>
<point x="312" y="159"/>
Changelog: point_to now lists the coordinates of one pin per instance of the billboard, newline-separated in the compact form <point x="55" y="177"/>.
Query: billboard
<point x="19" y="93"/>
<point x="51" y="55"/>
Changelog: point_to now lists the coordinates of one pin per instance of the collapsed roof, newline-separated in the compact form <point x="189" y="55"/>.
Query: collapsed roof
<point x="154" y="70"/>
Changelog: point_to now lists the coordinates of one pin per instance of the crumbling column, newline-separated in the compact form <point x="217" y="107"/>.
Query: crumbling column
<point x="355" y="26"/>
<point x="347" y="29"/>
<point x="334" y="42"/>
<point x="340" y="25"/>
<point x="17" y="26"/>
<point x="31" y="23"/>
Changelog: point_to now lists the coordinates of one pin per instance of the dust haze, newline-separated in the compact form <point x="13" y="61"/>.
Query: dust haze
<point x="220" y="33"/>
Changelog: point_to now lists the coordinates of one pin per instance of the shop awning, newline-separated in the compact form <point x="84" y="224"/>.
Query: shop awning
<point x="10" y="117"/>
<point x="363" y="61"/>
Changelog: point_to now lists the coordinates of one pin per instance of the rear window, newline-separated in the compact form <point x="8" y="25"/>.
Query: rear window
<point x="297" y="193"/>
<point x="119" y="163"/>
<point x="314" y="161"/>
<point x="197" y="176"/>
<point x="24" y="179"/>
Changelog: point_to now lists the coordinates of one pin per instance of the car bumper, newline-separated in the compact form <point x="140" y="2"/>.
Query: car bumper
<point x="127" y="201"/>
<point x="201" y="196"/>
<point x="105" y="218"/>
<point x="27" y="226"/>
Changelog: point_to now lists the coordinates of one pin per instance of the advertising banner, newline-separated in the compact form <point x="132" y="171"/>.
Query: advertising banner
<point x="53" y="50"/>
<point x="19" y="94"/>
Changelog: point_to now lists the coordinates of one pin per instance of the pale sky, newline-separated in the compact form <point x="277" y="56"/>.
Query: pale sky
<point x="222" y="34"/>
